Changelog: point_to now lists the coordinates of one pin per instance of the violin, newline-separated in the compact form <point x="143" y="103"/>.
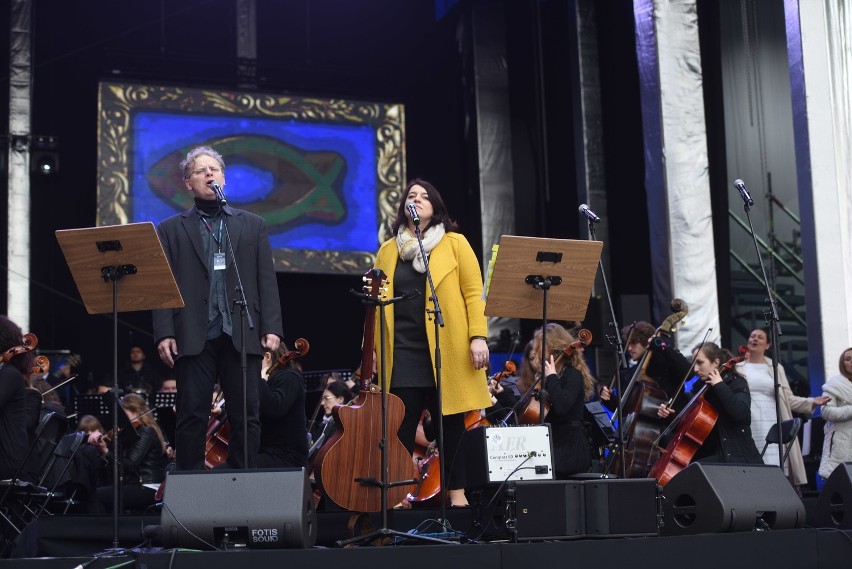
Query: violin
<point x="510" y="368"/>
<point x="532" y="413"/>
<point x="28" y="344"/>
<point x="693" y="427"/>
<point x="302" y="347"/>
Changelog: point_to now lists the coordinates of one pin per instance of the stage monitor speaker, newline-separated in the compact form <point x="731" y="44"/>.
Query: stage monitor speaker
<point x="834" y="505"/>
<point x="622" y="507"/>
<point x="263" y="508"/>
<point x="548" y="509"/>
<point x="721" y="498"/>
<point x="564" y="509"/>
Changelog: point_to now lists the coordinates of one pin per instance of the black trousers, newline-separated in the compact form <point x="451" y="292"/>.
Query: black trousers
<point x="415" y="400"/>
<point x="196" y="376"/>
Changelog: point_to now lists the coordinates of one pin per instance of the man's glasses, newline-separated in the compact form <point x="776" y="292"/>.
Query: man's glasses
<point x="211" y="169"/>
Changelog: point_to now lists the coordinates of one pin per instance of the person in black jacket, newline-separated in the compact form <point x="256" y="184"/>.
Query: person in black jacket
<point x="283" y="432"/>
<point x="730" y="439"/>
<point x="567" y="385"/>
<point x="19" y="403"/>
<point x="667" y="367"/>
<point x="202" y="341"/>
<point x="144" y="460"/>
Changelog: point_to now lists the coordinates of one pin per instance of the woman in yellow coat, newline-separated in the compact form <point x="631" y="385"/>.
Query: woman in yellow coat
<point x="409" y="352"/>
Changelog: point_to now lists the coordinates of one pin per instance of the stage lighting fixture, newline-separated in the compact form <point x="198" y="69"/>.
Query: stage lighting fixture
<point x="44" y="159"/>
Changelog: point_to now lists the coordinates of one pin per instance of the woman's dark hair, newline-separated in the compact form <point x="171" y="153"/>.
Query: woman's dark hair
<point x="439" y="208"/>
<point x="340" y="389"/>
<point x="11" y="336"/>
<point x="714" y="352"/>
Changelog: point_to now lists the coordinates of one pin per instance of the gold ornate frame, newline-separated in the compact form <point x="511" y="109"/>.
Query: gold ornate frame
<point x="119" y="101"/>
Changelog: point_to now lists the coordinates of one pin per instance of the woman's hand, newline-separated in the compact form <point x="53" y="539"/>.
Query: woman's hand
<point x="97" y="438"/>
<point x="479" y="353"/>
<point x="821" y="400"/>
<point x="605" y="393"/>
<point x="664" y="411"/>
<point x="549" y="367"/>
<point x="714" y="377"/>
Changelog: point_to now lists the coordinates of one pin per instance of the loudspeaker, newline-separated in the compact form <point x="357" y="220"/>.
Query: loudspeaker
<point x="548" y="509"/>
<point x="622" y="507"/>
<point x="262" y="508"/>
<point x="562" y="509"/>
<point x="719" y="498"/>
<point x="834" y="505"/>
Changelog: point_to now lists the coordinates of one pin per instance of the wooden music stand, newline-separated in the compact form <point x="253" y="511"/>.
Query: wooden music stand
<point x="533" y="275"/>
<point x="98" y="258"/>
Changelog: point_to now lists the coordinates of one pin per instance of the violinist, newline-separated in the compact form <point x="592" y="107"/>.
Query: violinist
<point x="19" y="404"/>
<point x="335" y="393"/>
<point x="144" y="460"/>
<point x="567" y="385"/>
<point x="727" y="392"/>
<point x="283" y="436"/>
<point x="667" y="368"/>
<point x="506" y="394"/>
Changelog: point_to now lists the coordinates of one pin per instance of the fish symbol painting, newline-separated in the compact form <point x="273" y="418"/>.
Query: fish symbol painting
<point x="289" y="186"/>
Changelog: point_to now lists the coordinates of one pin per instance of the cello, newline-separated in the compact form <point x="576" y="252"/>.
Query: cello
<point x="348" y="468"/>
<point x="639" y="402"/>
<point x="693" y="425"/>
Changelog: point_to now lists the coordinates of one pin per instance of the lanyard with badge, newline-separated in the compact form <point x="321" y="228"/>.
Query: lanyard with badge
<point x="218" y="256"/>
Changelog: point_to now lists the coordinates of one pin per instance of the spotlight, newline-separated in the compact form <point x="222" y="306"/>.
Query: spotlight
<point x="44" y="159"/>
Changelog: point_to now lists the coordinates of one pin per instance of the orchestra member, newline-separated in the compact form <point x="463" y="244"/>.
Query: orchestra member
<point x="143" y="461"/>
<point x="410" y="336"/>
<point x="567" y="385"/>
<point x="20" y="405"/>
<point x="335" y="393"/>
<point x="667" y="367"/>
<point x="202" y="341"/>
<point x="283" y="435"/>
<point x="730" y="439"/>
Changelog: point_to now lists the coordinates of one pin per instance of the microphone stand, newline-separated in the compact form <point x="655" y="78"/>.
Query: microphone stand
<point x="438" y="318"/>
<point x="245" y="318"/>
<point x="621" y="360"/>
<point x="772" y="320"/>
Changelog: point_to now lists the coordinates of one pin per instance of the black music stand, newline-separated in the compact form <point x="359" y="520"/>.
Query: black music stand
<point x="164" y="410"/>
<point x="98" y="258"/>
<point x="534" y="275"/>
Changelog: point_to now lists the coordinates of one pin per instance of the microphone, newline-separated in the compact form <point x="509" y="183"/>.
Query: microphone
<point x="584" y="209"/>
<point x="739" y="185"/>
<point x="220" y="195"/>
<point x="412" y="211"/>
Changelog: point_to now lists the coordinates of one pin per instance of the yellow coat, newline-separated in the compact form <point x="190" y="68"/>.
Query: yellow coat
<point x="458" y="283"/>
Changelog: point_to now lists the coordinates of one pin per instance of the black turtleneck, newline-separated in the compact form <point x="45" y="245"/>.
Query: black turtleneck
<point x="209" y="207"/>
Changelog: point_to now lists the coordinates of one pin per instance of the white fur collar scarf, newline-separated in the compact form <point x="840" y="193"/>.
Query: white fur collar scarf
<point x="409" y="250"/>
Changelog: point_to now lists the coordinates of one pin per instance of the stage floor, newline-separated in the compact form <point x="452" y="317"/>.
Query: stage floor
<point x="68" y="541"/>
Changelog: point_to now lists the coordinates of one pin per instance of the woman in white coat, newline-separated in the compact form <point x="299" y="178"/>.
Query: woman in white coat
<point x="757" y="369"/>
<point x="837" y="446"/>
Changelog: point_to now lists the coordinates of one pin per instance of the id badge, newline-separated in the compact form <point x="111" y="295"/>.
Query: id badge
<point x="218" y="261"/>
